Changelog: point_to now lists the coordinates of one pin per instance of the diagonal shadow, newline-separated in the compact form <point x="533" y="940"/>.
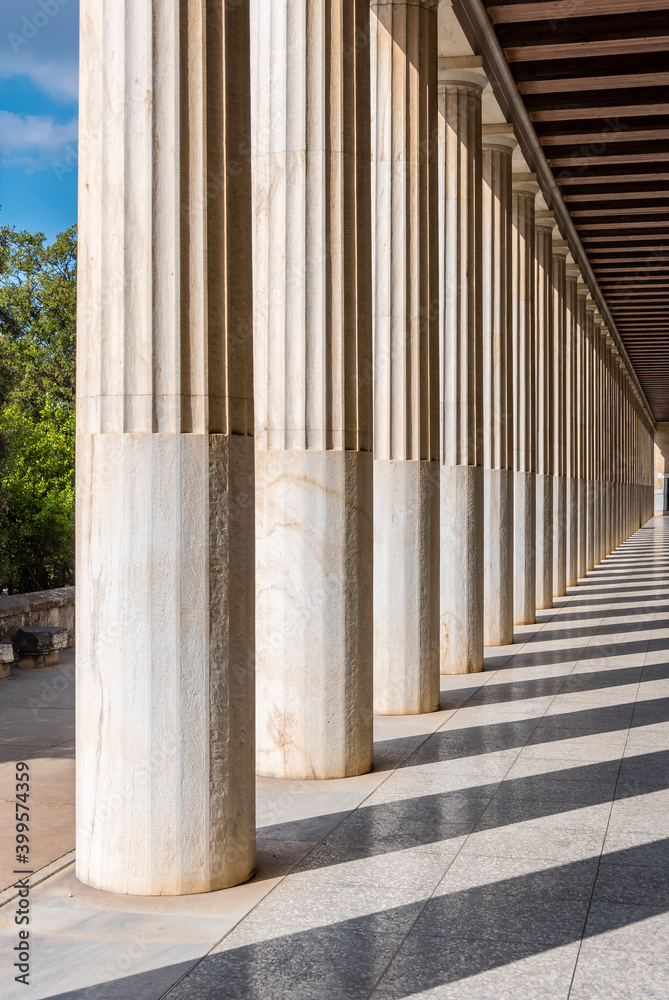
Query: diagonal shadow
<point x="417" y="946"/>
<point x="567" y="683"/>
<point x="384" y="827"/>
<point x="567" y="654"/>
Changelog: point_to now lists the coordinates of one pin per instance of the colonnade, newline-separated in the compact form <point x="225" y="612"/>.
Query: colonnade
<point x="338" y="427"/>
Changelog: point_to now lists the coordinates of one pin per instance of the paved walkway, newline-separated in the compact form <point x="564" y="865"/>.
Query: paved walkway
<point x="513" y="845"/>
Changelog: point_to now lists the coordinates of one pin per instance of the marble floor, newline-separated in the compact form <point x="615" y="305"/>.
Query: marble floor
<point x="513" y="845"/>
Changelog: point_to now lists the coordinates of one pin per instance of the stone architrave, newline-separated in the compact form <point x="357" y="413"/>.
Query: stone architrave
<point x="498" y="145"/>
<point x="525" y="190"/>
<point x="313" y="352"/>
<point x="406" y="356"/>
<point x="165" y="477"/>
<point x="461" y="381"/>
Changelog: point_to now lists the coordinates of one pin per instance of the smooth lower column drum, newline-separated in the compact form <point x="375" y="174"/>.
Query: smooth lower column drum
<point x="543" y="332"/>
<point x="313" y="352"/>
<point x="406" y="357"/>
<point x="498" y="145"/>
<point x="525" y="190"/>
<point x="461" y="382"/>
<point x="165" y="477"/>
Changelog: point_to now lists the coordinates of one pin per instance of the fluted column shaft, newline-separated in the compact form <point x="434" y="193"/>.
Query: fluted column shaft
<point x="165" y="481"/>
<point x="314" y="476"/>
<point x="581" y="379"/>
<point x="599" y="441"/>
<point x="590" y="434"/>
<point x="524" y="413"/>
<point x="608" y="447"/>
<point x="406" y="357"/>
<point x="560" y="433"/>
<point x="571" y="408"/>
<point x="461" y="614"/>
<point x="543" y="331"/>
<point x="498" y="148"/>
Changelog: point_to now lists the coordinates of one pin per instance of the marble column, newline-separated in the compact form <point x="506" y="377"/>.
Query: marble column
<point x="498" y="145"/>
<point x="608" y="446"/>
<point x="582" y="292"/>
<point x="525" y="190"/>
<point x="590" y="418"/>
<point x="461" y="381"/>
<point x="571" y="410"/>
<point x="406" y="357"/>
<point x="545" y="377"/>
<point x="598" y="439"/>
<point x="165" y="480"/>
<point x="560" y="433"/>
<point x="313" y="351"/>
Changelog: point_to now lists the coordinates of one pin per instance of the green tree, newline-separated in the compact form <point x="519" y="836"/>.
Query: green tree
<point x="37" y="391"/>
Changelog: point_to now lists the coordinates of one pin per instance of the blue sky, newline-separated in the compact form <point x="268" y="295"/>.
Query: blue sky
<point x="39" y="54"/>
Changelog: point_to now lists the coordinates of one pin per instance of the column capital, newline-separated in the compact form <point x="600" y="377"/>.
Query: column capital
<point x="525" y="184"/>
<point x="462" y="71"/>
<point x="573" y="270"/>
<point x="502" y="135"/>
<point x="426" y="4"/>
<point x="560" y="248"/>
<point x="582" y="290"/>
<point x="544" y="220"/>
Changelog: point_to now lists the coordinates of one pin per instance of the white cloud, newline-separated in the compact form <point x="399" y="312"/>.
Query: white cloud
<point x="59" y="78"/>
<point x="33" y="142"/>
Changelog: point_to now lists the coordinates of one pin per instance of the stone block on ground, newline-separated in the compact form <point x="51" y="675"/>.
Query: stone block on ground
<point x="38" y="646"/>
<point x="6" y="658"/>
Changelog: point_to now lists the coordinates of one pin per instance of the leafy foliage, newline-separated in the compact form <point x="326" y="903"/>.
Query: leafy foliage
<point x="37" y="391"/>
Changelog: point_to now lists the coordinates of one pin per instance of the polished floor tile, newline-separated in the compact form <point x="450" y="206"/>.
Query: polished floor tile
<point x="513" y="845"/>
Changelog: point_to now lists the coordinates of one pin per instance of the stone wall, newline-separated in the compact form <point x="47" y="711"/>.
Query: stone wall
<point x="45" y="607"/>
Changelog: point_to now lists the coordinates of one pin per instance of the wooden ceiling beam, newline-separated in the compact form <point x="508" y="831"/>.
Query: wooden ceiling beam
<point x="576" y="138"/>
<point x="648" y="238"/>
<point x="597" y="159"/>
<point x="608" y="212"/>
<point x="621" y="224"/>
<point x="580" y="83"/>
<point x="573" y="50"/>
<point x="627" y="196"/>
<point x="608" y="178"/>
<point x="597" y="111"/>
<point x="553" y="10"/>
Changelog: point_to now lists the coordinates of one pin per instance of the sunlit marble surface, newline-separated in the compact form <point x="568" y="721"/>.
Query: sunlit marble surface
<point x="513" y="844"/>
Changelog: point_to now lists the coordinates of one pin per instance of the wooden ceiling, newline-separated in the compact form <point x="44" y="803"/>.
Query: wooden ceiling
<point x="594" y="77"/>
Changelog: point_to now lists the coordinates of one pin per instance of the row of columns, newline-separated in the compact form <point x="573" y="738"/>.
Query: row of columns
<point x="337" y="427"/>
